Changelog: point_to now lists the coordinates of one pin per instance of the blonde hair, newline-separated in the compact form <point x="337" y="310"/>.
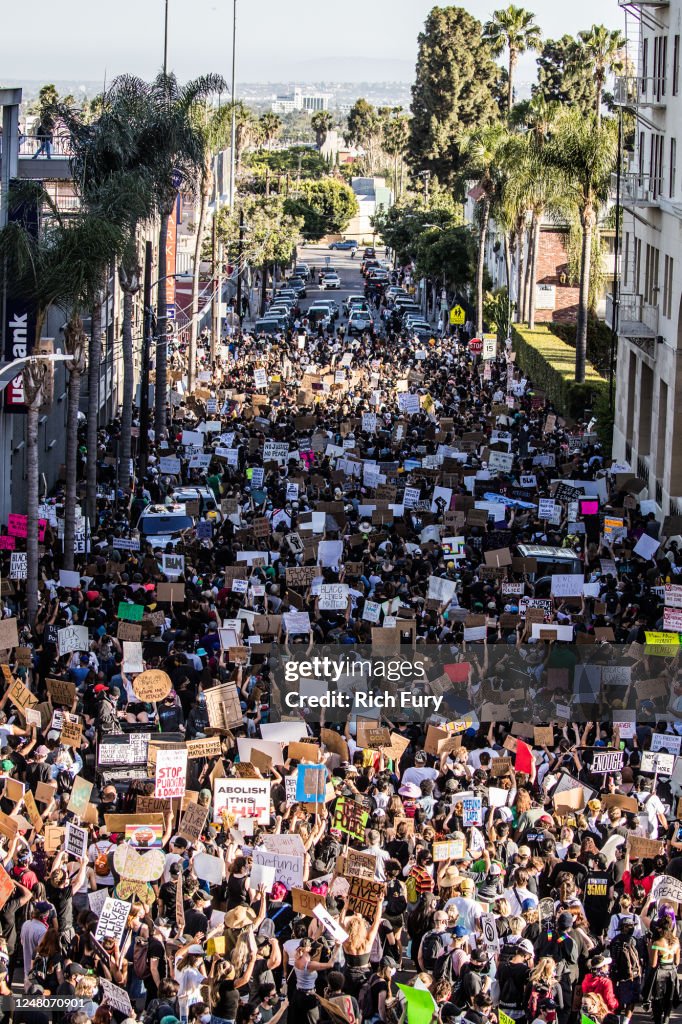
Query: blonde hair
<point x="544" y="971"/>
<point x="516" y="925"/>
<point x="597" y="1006"/>
<point x="356" y="926"/>
<point x="86" y="986"/>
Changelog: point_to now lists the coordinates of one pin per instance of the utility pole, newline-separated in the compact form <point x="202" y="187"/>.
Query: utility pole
<point x="615" y="315"/>
<point x="165" y="42"/>
<point x="233" y="129"/>
<point x="144" y="377"/>
<point x="216" y="326"/>
<point x="240" y="251"/>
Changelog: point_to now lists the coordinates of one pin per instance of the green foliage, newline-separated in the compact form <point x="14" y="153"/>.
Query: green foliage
<point x="321" y="123"/>
<point x="496" y="311"/>
<point x="270" y="235"/>
<point x="550" y="363"/>
<point x="292" y="161"/>
<point x="573" y="243"/>
<point x="598" y="340"/>
<point x="453" y="93"/>
<point x="513" y="29"/>
<point x="448" y="255"/>
<point x="364" y="124"/>
<point x="325" y="207"/>
<point x="404" y="224"/>
<point x="561" y="74"/>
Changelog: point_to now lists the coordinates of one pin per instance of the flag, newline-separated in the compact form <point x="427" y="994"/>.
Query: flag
<point x="420" y="1004"/>
<point x="524" y="758"/>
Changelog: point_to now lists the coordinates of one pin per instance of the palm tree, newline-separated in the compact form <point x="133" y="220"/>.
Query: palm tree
<point x="603" y="51"/>
<point x="245" y="130"/>
<point x="173" y="148"/>
<point x="512" y="28"/>
<point x="484" y="151"/>
<point x="215" y="128"/>
<point x="130" y="279"/>
<point x="270" y="126"/>
<point x="35" y="380"/>
<point x="396" y="130"/>
<point x="321" y="123"/>
<point x="75" y="345"/>
<point x="583" y="151"/>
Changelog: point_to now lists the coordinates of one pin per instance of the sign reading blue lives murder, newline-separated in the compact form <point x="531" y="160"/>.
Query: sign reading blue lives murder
<point x="311" y="783"/>
<point x="472" y="811"/>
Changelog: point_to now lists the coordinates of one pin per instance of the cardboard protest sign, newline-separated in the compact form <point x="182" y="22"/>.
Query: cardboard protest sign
<point x="364" y="896"/>
<point x="170" y="593"/>
<point x="311" y="783"/>
<point x="640" y="847"/>
<point x="192" y="822"/>
<point x="362" y="865"/>
<point x="209" y="747"/>
<point x="20" y="695"/>
<point x="304" y="902"/>
<point x="223" y="707"/>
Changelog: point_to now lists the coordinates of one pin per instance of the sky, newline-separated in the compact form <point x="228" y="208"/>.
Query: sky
<point x="308" y="40"/>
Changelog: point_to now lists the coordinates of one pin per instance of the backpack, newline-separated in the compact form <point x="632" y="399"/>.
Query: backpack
<point x="365" y="1002"/>
<point x="396" y="904"/>
<point x="141" y="959"/>
<point x="626" y="963"/>
<point x="101" y="864"/>
<point x="433" y="951"/>
<point x="411" y="888"/>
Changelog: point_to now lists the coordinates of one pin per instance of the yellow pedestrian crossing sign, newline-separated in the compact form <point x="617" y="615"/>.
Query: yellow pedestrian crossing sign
<point x="457" y="316"/>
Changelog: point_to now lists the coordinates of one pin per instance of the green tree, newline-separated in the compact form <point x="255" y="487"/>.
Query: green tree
<point x="561" y="73"/>
<point x="245" y="130"/>
<point x="270" y="126"/>
<point x="396" y="135"/>
<point x="583" y="150"/>
<point x="365" y="131"/>
<point x="603" y="50"/>
<point x="485" y="150"/>
<point x="325" y="206"/>
<point x="513" y="29"/>
<point x="453" y="90"/>
<point x="321" y="123"/>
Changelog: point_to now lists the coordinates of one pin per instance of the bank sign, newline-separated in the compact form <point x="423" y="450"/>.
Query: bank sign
<point x="20" y="311"/>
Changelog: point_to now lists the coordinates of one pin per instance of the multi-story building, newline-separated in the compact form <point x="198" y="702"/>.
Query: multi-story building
<point x="298" y="100"/>
<point x="647" y="311"/>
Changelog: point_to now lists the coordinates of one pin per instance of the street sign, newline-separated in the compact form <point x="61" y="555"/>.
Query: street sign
<point x="457" y="316"/>
<point x="476" y="346"/>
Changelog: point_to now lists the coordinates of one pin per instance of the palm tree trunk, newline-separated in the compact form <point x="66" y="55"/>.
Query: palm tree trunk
<point x="526" y="276"/>
<point x="510" y="90"/>
<point x="71" y="467"/>
<point x="94" y="360"/>
<point x="520" y="233"/>
<point x="482" y="234"/>
<point x="600" y="89"/>
<point x="264" y="288"/>
<point x="587" y="223"/>
<point x="128" y="380"/>
<point x="161" y="336"/>
<point x="533" y="271"/>
<point x="508" y="261"/>
<point x="194" y="325"/>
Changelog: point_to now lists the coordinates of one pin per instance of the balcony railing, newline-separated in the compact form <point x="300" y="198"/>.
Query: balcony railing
<point x="629" y="90"/>
<point x="636" y="318"/>
<point x="60" y="148"/>
<point x="637" y="189"/>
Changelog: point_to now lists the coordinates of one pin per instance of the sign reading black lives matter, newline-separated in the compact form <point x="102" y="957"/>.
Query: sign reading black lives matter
<point x="607" y="761"/>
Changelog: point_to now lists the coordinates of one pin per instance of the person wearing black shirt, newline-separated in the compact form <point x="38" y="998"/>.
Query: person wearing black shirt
<point x="196" y="920"/>
<point x="156" y="958"/>
<point x="8" y="922"/>
<point x="38" y="770"/>
<point x="60" y="888"/>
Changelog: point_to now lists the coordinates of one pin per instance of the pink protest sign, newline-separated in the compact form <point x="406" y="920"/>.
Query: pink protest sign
<point x="17" y="526"/>
<point x="308" y="457"/>
<point x="8" y="543"/>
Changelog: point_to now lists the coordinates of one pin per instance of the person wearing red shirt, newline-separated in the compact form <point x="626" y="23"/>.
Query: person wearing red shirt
<point x="597" y="980"/>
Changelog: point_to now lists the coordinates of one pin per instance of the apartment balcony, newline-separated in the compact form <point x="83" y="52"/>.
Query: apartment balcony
<point x="636" y="189"/>
<point x="637" y="319"/>
<point x="626" y="91"/>
<point x="41" y="168"/>
<point x="652" y="92"/>
<point x="643" y="3"/>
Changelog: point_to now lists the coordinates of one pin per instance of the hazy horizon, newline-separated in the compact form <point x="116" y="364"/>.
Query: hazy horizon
<point x="274" y="44"/>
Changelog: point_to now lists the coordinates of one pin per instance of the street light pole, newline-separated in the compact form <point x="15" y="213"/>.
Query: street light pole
<point x="165" y="41"/>
<point x="233" y="128"/>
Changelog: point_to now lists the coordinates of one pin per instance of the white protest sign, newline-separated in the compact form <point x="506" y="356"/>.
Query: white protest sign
<point x="275" y="451"/>
<point x="546" y="508"/>
<point x="171" y="774"/>
<point x="173" y="565"/>
<point x="72" y="638"/>
<point x="500" y="462"/>
<point x="646" y="546"/>
<point x="288" y="867"/>
<point x="113" y="919"/>
<point x="18" y="566"/>
<point x="76" y="841"/>
<point x="169" y="464"/>
<point x="330" y="923"/>
<point x="567" y="585"/>
<point x="245" y="798"/>
<point x="333" y="597"/>
<point x="260" y="378"/>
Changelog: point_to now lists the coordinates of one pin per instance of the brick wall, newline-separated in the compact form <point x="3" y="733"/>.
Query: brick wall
<point x="552" y="263"/>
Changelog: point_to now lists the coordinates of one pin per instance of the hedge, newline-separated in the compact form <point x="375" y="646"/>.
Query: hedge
<point x="550" y="364"/>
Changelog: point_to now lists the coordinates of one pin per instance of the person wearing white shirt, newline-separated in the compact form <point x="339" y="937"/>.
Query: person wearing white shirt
<point x="420" y="772"/>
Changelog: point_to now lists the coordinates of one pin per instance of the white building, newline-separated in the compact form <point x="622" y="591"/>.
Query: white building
<point x="648" y="415"/>
<point x="298" y="100"/>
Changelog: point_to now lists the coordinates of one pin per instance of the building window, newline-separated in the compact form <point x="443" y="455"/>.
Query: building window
<point x="668" y="287"/>
<point x="651" y="275"/>
<point x="673" y="167"/>
<point x="663" y="62"/>
<point x="645" y="63"/>
<point x="626" y="257"/>
<point x="676" y="65"/>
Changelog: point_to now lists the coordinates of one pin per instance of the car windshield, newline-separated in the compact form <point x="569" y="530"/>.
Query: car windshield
<point x="153" y="526"/>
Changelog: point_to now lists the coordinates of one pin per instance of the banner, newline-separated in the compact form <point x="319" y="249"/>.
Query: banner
<point x="245" y="798"/>
<point x="171" y="774"/>
<point x="20" y="311"/>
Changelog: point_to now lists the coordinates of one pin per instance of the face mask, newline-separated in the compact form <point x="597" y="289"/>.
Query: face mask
<point x="205" y="1018"/>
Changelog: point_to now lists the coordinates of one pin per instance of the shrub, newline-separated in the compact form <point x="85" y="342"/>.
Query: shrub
<point x="550" y="363"/>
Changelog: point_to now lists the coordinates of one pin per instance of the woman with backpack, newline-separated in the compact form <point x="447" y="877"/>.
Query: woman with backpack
<point x="378" y="992"/>
<point x="542" y="984"/>
<point x="396" y="903"/>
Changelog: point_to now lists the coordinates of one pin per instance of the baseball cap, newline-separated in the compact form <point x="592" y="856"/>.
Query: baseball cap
<point x="41" y="751"/>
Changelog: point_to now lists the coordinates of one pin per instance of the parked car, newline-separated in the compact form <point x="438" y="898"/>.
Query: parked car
<point x="351" y="300"/>
<point x="298" y="285"/>
<point x="266" y="326"/>
<point x="369" y="253"/>
<point x="302" y="270"/>
<point x="348" y="243"/>
<point x="360" y="321"/>
<point x="161" y="525"/>
<point x="330" y="280"/>
<point x="331" y="305"/>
